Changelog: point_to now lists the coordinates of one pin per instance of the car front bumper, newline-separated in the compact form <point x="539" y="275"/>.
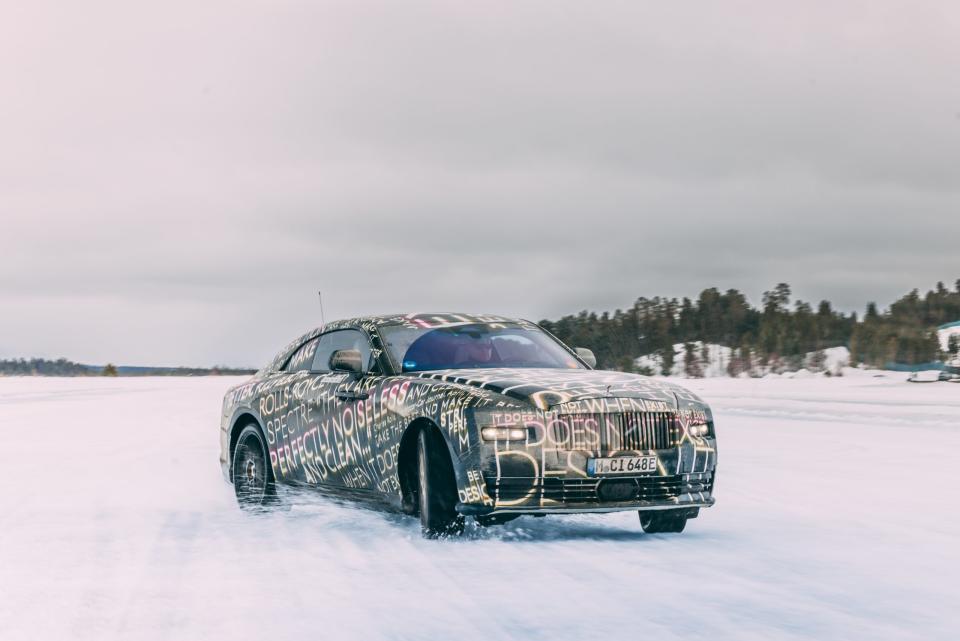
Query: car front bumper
<point x="469" y="509"/>
<point x="584" y="495"/>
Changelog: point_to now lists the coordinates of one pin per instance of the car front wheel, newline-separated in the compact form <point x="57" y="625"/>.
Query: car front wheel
<point x="437" y="489"/>
<point x="666" y="521"/>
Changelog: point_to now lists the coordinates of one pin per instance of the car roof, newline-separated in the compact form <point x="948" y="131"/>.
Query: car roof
<point x="426" y="320"/>
<point x="439" y="319"/>
<point x="415" y="320"/>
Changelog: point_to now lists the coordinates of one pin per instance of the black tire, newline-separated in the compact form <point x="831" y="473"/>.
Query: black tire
<point x="666" y="521"/>
<point x="253" y="480"/>
<point x="437" y="488"/>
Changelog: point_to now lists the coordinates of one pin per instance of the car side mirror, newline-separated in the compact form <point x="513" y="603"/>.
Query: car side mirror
<point x="347" y="360"/>
<point x="587" y="356"/>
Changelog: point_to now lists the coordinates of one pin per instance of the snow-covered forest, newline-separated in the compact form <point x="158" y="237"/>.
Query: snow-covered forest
<point x="655" y="334"/>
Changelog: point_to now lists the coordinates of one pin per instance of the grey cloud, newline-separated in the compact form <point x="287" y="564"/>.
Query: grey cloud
<point x="177" y="181"/>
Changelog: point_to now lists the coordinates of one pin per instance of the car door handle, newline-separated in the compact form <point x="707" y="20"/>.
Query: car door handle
<point x="347" y="395"/>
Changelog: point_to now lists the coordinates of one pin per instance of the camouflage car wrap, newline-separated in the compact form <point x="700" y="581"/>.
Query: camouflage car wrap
<point x="354" y="435"/>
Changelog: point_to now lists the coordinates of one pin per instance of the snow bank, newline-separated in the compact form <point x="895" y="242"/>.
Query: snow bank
<point x="713" y="360"/>
<point x="831" y="359"/>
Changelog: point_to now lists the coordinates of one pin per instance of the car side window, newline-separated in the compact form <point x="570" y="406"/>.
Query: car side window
<point x="340" y="339"/>
<point x="302" y="359"/>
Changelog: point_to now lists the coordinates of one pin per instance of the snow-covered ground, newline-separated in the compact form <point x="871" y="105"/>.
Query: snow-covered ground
<point x="836" y="519"/>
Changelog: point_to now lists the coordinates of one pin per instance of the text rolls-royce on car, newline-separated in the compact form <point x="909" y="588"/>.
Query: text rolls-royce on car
<point x="447" y="416"/>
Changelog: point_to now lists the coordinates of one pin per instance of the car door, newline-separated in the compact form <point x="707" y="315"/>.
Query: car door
<point x="342" y="437"/>
<point x="286" y="411"/>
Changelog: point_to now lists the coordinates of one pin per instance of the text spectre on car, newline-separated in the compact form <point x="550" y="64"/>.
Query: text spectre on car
<point x="446" y="416"/>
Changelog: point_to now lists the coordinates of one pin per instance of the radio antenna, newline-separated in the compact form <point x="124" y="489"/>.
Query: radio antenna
<point x="323" y="322"/>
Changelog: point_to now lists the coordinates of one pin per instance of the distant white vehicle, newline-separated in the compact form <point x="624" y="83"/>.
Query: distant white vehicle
<point x="924" y="376"/>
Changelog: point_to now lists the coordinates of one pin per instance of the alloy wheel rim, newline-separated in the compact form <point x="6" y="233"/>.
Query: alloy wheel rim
<point x="251" y="480"/>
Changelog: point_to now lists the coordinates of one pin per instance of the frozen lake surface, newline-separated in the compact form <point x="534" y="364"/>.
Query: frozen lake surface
<point x="836" y="518"/>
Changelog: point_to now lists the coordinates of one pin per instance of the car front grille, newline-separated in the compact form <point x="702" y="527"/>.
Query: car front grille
<point x="617" y="431"/>
<point x="589" y="490"/>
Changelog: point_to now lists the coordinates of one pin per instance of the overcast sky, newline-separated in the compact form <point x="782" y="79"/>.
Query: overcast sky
<point x="178" y="179"/>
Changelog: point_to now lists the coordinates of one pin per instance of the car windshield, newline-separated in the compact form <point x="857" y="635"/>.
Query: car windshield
<point x="474" y="346"/>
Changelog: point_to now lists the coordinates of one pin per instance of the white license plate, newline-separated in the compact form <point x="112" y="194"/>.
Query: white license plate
<point x="621" y="465"/>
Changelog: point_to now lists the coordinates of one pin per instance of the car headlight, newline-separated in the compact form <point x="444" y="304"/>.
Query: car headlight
<point x="698" y="431"/>
<point x="504" y="434"/>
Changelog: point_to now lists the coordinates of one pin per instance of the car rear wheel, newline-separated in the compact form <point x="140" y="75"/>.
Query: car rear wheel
<point x="667" y="521"/>
<point x="252" y="477"/>
<point x="437" y="489"/>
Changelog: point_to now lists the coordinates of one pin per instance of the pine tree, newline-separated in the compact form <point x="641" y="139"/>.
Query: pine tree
<point x="691" y="361"/>
<point x="733" y="367"/>
<point x="667" y="359"/>
<point x="110" y="370"/>
<point x="746" y="358"/>
<point x="854" y="346"/>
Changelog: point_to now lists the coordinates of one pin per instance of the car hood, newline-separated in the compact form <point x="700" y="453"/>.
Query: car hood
<point x="547" y="388"/>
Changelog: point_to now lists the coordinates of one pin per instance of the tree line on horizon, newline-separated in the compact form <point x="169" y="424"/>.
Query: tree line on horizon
<point x="64" y="367"/>
<point x="775" y="335"/>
